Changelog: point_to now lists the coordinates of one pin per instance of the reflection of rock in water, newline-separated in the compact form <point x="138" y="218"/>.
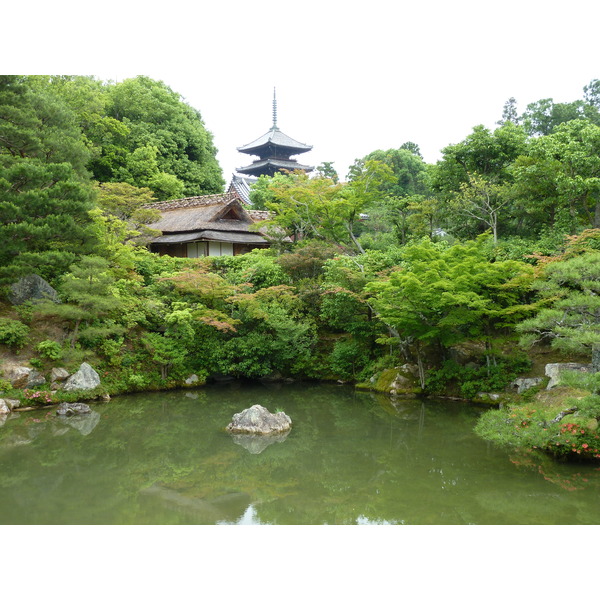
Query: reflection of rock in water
<point x="255" y="444"/>
<point x="228" y="507"/>
<point x="85" y="423"/>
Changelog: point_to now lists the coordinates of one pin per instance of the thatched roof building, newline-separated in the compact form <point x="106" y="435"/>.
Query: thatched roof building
<point x="212" y="225"/>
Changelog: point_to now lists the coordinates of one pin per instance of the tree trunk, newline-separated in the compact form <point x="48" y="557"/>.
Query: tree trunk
<point x="595" y="358"/>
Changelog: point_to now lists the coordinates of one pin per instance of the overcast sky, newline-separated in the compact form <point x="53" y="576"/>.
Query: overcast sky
<point x="351" y="77"/>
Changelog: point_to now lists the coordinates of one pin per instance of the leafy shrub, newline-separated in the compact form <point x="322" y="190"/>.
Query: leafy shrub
<point x="36" y="363"/>
<point x="112" y="350"/>
<point x="13" y="333"/>
<point x="468" y="381"/>
<point x="348" y="358"/>
<point x="50" y="349"/>
<point x="37" y="396"/>
<point x="536" y="427"/>
<point x="5" y="386"/>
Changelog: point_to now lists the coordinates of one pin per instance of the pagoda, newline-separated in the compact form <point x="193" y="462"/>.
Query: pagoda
<point x="274" y="150"/>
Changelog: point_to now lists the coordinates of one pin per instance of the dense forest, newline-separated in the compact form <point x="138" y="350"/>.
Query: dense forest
<point x="448" y="279"/>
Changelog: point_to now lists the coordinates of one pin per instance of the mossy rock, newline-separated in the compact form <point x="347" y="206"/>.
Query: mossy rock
<point x="400" y="381"/>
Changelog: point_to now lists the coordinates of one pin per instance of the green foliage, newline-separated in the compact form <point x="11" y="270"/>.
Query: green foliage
<point x="5" y="386"/>
<point x="50" y="349"/>
<point x="468" y="381"/>
<point x="448" y="294"/>
<point x="44" y="189"/>
<point x="259" y="268"/>
<point x="548" y="429"/>
<point x="90" y="301"/>
<point x="348" y="358"/>
<point x="167" y="149"/>
<point x="306" y="260"/>
<point x="408" y="171"/>
<point x="570" y="316"/>
<point x="37" y="396"/>
<point x="13" y="333"/>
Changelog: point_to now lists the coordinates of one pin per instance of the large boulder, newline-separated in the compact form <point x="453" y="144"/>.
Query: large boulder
<point x="32" y="288"/>
<point x="35" y="379"/>
<point x="554" y="370"/>
<point x="258" y="420"/>
<point x="522" y="384"/>
<point x="7" y="405"/>
<point x="58" y="374"/>
<point x="85" y="379"/>
<point x="18" y="376"/>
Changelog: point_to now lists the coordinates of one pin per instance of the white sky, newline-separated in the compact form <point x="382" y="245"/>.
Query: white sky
<point x="351" y="77"/>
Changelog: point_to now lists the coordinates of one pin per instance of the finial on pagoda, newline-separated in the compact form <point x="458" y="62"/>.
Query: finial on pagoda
<point x="274" y="109"/>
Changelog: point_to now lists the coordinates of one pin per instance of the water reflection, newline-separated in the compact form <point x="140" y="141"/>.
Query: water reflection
<point x="350" y="458"/>
<point x="255" y="444"/>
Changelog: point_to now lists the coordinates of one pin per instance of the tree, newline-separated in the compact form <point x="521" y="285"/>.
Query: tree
<point x="328" y="171"/>
<point x="483" y="152"/>
<point x="412" y="147"/>
<point x="443" y="295"/>
<point x="544" y="116"/>
<point x="157" y="117"/>
<point x="509" y="113"/>
<point x="570" y="321"/>
<point x="87" y="289"/>
<point x="487" y="155"/>
<point x="319" y="208"/>
<point x="481" y="200"/>
<point x="407" y="167"/>
<point x="561" y="174"/>
<point x="44" y="189"/>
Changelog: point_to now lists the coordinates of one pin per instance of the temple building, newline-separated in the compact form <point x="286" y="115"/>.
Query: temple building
<point x="274" y="150"/>
<point x="215" y="225"/>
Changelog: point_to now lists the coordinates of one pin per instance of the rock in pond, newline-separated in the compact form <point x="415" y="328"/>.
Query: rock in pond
<point x="67" y="409"/>
<point x="258" y="420"/>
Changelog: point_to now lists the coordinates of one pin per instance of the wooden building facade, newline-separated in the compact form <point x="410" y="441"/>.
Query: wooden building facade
<point x="215" y="225"/>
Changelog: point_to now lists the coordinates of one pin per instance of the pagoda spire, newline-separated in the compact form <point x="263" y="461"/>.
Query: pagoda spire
<point x="274" y="150"/>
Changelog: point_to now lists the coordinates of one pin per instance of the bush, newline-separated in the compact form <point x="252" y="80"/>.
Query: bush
<point x="348" y="359"/>
<point x="5" y="386"/>
<point x="13" y="333"/>
<point x="50" y="349"/>
<point x="468" y="382"/>
<point x="37" y="396"/>
<point x="531" y="426"/>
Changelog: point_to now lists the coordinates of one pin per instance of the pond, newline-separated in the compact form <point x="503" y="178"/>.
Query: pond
<point x="350" y="458"/>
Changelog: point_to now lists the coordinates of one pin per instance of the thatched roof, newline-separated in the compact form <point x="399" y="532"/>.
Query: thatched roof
<point x="222" y="212"/>
<point x="218" y="217"/>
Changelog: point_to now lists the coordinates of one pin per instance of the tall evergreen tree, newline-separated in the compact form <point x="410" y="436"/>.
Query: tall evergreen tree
<point x="45" y="192"/>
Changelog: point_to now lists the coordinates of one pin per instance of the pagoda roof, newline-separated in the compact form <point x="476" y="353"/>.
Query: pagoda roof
<point x="274" y="165"/>
<point x="274" y="138"/>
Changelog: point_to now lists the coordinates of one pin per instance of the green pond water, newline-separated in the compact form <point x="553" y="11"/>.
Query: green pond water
<point x="351" y="457"/>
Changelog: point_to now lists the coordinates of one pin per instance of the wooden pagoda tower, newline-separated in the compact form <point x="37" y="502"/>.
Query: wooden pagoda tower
<point x="274" y="150"/>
